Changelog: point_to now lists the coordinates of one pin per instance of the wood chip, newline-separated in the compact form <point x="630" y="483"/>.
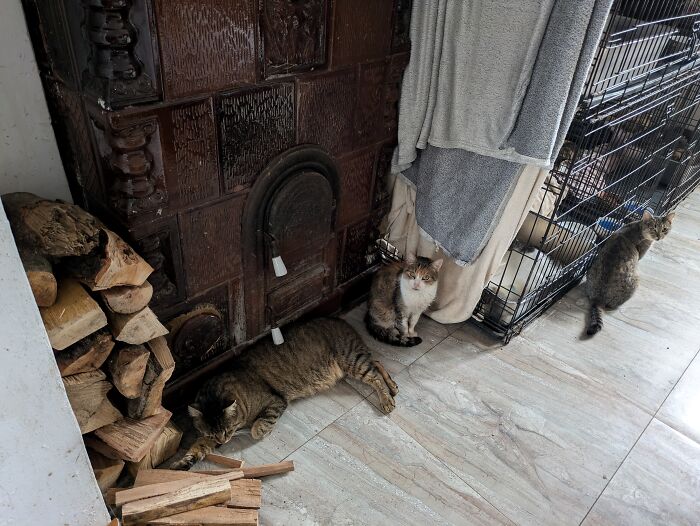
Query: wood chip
<point x="265" y="470"/>
<point x="224" y="461"/>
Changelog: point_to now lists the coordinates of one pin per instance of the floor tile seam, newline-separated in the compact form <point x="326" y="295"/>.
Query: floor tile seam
<point x="653" y="417"/>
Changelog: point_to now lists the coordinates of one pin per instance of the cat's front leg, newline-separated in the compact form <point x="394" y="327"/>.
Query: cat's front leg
<point x="402" y="325"/>
<point x="200" y="449"/>
<point x="268" y="418"/>
<point x="412" y="322"/>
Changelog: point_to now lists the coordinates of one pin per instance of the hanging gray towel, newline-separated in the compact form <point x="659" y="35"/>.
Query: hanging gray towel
<point x="490" y="87"/>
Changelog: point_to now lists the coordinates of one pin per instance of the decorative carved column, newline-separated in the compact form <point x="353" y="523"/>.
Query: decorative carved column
<point x="135" y="189"/>
<point x="115" y="73"/>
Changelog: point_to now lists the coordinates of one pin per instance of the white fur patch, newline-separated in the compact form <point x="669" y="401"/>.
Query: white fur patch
<point x="417" y="300"/>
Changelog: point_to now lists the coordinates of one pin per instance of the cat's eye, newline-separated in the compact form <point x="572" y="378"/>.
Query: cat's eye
<point x="411" y="275"/>
<point x="426" y="278"/>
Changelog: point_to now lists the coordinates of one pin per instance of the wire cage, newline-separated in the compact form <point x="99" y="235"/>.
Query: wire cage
<point x="634" y="145"/>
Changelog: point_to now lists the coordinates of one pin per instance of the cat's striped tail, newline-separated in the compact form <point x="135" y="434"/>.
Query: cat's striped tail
<point x="595" y="323"/>
<point x="390" y="336"/>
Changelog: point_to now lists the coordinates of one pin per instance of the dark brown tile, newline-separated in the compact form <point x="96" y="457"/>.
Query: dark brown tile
<point x="325" y="111"/>
<point x="358" y="253"/>
<point x="211" y="240"/>
<point x="369" y="119"/>
<point x="255" y="125"/>
<point x="206" y="45"/>
<point x="356" y="176"/>
<point x="193" y="156"/>
<point x="361" y="31"/>
<point x="294" y="35"/>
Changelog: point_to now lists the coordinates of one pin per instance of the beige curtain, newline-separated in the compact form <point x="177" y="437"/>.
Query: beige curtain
<point x="460" y="287"/>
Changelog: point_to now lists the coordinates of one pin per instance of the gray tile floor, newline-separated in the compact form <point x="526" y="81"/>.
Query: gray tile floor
<point x="551" y="429"/>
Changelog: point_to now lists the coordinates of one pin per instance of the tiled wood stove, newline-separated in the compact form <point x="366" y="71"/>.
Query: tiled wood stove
<point x="218" y="134"/>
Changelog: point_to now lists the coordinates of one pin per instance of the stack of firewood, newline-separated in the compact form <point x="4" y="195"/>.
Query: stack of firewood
<point x="231" y="496"/>
<point x="93" y="295"/>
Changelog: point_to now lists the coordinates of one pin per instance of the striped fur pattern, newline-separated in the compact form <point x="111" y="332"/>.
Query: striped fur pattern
<point x="613" y="277"/>
<point x="400" y="294"/>
<point x="254" y="392"/>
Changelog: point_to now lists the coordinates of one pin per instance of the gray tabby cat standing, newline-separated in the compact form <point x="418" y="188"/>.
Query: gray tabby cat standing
<point x="256" y="389"/>
<point x="400" y="293"/>
<point x="613" y="278"/>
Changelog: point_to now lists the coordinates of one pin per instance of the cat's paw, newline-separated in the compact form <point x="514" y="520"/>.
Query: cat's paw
<point x="391" y="384"/>
<point x="387" y="404"/>
<point x="260" y="429"/>
<point x="184" y="463"/>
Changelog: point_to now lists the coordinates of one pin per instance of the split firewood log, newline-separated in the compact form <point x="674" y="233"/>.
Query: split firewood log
<point x="162" y="449"/>
<point x="126" y="367"/>
<point x="129" y="439"/>
<point x="113" y="264"/>
<point x="107" y="470"/>
<point x="73" y="316"/>
<point x="53" y="229"/>
<point x="85" y="355"/>
<point x="127" y="300"/>
<point x="136" y="328"/>
<point x="86" y="392"/>
<point x="158" y="371"/>
<point x="40" y="276"/>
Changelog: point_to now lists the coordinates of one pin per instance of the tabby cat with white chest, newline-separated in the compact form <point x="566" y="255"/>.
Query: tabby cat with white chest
<point x="254" y="392"/>
<point x="400" y="293"/>
<point x="613" y="278"/>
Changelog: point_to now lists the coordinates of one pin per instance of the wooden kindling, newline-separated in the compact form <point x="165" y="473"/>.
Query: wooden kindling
<point x="200" y="494"/>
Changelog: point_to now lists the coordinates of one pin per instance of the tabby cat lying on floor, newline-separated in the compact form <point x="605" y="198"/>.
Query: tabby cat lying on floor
<point x="400" y="293"/>
<point x="256" y="389"/>
<point x="613" y="278"/>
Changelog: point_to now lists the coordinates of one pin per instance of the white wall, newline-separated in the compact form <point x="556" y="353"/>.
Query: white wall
<point x="45" y="474"/>
<point x="29" y="159"/>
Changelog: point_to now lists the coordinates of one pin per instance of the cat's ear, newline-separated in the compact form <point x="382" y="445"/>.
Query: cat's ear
<point x="647" y="216"/>
<point x="410" y="258"/>
<point x="437" y="264"/>
<point x="669" y="217"/>
<point x="230" y="410"/>
<point x="194" y="411"/>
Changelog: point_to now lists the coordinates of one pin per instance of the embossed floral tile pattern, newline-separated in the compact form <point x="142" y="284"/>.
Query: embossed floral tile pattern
<point x="550" y="429"/>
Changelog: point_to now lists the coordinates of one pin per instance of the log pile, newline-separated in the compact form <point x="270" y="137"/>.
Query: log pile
<point x="92" y="291"/>
<point x="160" y="496"/>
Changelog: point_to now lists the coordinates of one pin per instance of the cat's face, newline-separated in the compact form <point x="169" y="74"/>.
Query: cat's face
<point x="220" y="426"/>
<point x="420" y="273"/>
<point x="654" y="227"/>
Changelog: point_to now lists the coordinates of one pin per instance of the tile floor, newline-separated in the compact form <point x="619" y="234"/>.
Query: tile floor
<point x="550" y="429"/>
